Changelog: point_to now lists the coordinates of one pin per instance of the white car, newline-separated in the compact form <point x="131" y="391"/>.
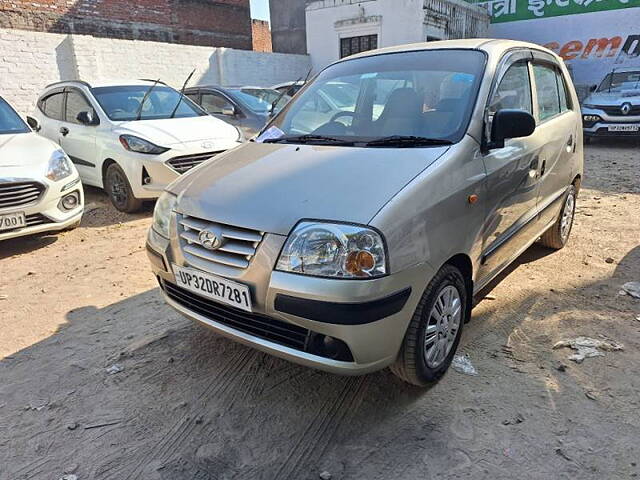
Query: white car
<point x="40" y="189"/>
<point x="132" y="139"/>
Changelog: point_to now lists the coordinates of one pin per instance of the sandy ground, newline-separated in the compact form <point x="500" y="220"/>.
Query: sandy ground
<point x="191" y="405"/>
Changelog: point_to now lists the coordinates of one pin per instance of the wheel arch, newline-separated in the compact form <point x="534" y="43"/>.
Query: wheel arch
<point x="105" y="165"/>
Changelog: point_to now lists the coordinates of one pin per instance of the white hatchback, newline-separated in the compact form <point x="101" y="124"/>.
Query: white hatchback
<point x="132" y="139"/>
<point x="40" y="189"/>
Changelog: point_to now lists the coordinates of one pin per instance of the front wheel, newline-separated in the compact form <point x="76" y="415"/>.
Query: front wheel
<point x="119" y="190"/>
<point x="434" y="332"/>
<point x="558" y="235"/>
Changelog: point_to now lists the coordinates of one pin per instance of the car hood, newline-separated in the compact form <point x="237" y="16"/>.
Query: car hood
<point x="606" y="99"/>
<point x="24" y="155"/>
<point x="270" y="187"/>
<point x="174" y="131"/>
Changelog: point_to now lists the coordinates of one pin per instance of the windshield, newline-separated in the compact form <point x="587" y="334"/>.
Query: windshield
<point x="427" y="94"/>
<point x="258" y="100"/>
<point x="618" y="81"/>
<point x="122" y="103"/>
<point x="10" y="121"/>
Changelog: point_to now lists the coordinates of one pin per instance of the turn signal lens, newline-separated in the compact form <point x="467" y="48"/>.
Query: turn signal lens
<point x="360" y="264"/>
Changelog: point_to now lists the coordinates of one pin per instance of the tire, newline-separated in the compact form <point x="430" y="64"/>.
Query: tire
<point x="119" y="190"/>
<point x="412" y="364"/>
<point x="558" y="235"/>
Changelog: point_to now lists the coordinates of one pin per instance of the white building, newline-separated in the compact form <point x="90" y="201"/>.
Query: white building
<point x="339" y="28"/>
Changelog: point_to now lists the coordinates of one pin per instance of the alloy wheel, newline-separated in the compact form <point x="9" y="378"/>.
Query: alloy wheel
<point x="567" y="217"/>
<point x="442" y="327"/>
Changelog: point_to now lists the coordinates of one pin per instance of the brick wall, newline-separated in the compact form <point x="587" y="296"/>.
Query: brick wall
<point x="224" y="23"/>
<point x="31" y="60"/>
<point x="261" y="36"/>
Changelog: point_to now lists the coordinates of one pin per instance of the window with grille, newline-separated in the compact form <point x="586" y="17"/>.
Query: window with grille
<point x="353" y="45"/>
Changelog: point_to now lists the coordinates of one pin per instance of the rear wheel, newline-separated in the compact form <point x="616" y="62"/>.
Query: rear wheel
<point x="434" y="333"/>
<point x="119" y="190"/>
<point x="558" y="235"/>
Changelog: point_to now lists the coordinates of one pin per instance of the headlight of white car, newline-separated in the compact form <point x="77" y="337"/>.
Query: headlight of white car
<point x="140" y="145"/>
<point x="59" y="166"/>
<point x="334" y="250"/>
<point x="162" y="213"/>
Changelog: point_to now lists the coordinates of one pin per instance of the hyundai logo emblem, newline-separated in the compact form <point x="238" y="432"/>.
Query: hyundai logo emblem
<point x="207" y="145"/>
<point x="626" y="108"/>
<point x="210" y="239"/>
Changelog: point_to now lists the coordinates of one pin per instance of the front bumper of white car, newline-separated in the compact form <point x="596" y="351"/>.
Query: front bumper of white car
<point x="149" y="175"/>
<point x="597" y="122"/>
<point x="41" y="202"/>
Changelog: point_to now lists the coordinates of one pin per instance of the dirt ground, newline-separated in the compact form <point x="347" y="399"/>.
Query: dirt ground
<point x="191" y="405"/>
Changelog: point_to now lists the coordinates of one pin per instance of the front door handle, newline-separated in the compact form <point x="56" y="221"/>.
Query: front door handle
<point x="64" y="131"/>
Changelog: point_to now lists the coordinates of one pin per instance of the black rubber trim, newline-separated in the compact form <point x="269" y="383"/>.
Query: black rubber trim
<point x="343" y="313"/>
<point x="79" y="161"/>
<point x="156" y="258"/>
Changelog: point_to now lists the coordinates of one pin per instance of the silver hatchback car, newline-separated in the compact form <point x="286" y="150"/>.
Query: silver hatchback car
<point x="356" y="241"/>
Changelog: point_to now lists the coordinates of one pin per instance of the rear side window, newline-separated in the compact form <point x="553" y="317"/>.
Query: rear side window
<point x="514" y="90"/>
<point x="213" y="103"/>
<point x="547" y="91"/>
<point x="76" y="103"/>
<point x="52" y="106"/>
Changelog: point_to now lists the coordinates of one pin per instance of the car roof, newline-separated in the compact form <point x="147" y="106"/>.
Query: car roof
<point x="489" y="45"/>
<point x="101" y="83"/>
<point x="625" y="69"/>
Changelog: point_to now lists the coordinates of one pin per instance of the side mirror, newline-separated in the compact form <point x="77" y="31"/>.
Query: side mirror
<point x="510" y="124"/>
<point x="593" y="88"/>
<point x="230" y="111"/>
<point x="34" y="124"/>
<point x="87" y="118"/>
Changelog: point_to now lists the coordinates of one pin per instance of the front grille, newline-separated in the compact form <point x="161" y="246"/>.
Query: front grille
<point x="261" y="326"/>
<point x="616" y="111"/>
<point x="33" y="220"/>
<point x="238" y="244"/>
<point x="37" y="219"/>
<point x="185" y="163"/>
<point x="19" y="194"/>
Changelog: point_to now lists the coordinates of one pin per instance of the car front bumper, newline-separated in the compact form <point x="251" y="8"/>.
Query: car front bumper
<point x="149" y="175"/>
<point x="609" y="125"/>
<point x="45" y="215"/>
<point x="369" y="316"/>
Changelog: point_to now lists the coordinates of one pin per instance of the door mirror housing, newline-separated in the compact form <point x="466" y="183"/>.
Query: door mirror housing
<point x="510" y="124"/>
<point x="87" y="118"/>
<point x="593" y="88"/>
<point x="34" y="124"/>
<point x="230" y="111"/>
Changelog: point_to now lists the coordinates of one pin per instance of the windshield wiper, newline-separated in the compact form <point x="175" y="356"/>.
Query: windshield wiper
<point x="184" y="85"/>
<point x="144" y="99"/>
<point x="406" y="141"/>
<point x="316" y="139"/>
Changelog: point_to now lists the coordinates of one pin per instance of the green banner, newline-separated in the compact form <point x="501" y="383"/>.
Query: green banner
<point x="513" y="10"/>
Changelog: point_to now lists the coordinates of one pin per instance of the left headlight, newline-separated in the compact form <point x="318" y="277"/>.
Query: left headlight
<point x="334" y="250"/>
<point x="162" y="213"/>
<point x="59" y="166"/>
<point x="140" y="145"/>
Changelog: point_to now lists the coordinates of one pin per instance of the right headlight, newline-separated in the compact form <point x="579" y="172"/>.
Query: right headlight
<point x="162" y="213"/>
<point x="334" y="250"/>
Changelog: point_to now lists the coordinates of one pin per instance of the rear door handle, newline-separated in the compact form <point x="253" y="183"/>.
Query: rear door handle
<point x="543" y="168"/>
<point x="64" y="131"/>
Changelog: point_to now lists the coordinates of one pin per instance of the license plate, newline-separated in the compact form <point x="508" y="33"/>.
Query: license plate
<point x="213" y="287"/>
<point x="624" y="128"/>
<point x="11" y="221"/>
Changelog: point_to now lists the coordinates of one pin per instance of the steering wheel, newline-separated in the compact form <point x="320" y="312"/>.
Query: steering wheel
<point x="342" y="114"/>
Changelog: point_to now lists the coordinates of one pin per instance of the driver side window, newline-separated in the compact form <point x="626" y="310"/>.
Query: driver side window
<point x="514" y="90"/>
